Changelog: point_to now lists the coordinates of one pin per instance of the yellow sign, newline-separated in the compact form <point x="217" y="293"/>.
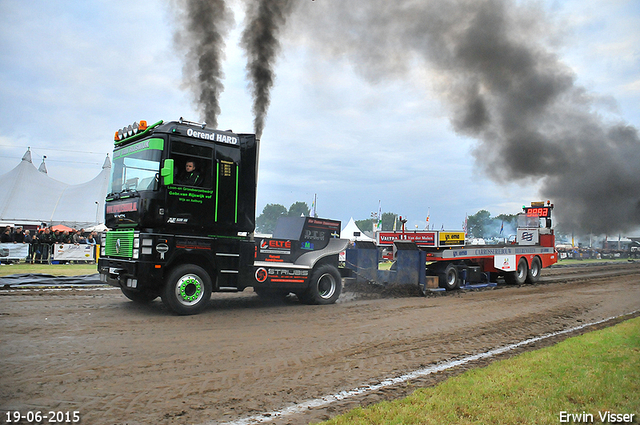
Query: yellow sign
<point x="451" y="238"/>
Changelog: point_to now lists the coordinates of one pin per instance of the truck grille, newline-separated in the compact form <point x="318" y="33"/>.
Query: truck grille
<point x="119" y="243"/>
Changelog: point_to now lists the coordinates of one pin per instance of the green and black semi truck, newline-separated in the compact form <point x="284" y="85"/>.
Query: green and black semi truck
<point x="181" y="217"/>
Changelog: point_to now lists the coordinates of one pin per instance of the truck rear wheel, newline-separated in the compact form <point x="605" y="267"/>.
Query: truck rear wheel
<point x="449" y="279"/>
<point x="519" y="276"/>
<point x="139" y="297"/>
<point x="187" y="289"/>
<point x="533" y="275"/>
<point x="325" y="286"/>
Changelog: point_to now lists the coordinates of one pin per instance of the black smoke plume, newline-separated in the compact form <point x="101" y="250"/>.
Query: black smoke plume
<point x="492" y="63"/>
<point x="201" y="38"/>
<point x="260" y="39"/>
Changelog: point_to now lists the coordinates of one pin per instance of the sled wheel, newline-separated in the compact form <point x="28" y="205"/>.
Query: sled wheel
<point x="519" y="276"/>
<point x="533" y="275"/>
<point x="449" y="278"/>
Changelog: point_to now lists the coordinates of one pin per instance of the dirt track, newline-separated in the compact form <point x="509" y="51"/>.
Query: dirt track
<point x="117" y="363"/>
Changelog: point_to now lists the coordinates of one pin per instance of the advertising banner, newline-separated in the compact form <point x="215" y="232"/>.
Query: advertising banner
<point x="451" y="238"/>
<point x="420" y="238"/>
<point x="71" y="252"/>
<point x="13" y="251"/>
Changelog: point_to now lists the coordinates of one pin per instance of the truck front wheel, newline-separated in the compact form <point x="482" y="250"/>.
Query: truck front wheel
<point x="187" y="289"/>
<point x="325" y="286"/>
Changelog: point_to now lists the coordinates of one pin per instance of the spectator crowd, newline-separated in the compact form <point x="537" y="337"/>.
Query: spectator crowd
<point x="42" y="240"/>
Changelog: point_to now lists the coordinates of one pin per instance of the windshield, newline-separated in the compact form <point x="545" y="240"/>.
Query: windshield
<point x="525" y="221"/>
<point x="136" y="167"/>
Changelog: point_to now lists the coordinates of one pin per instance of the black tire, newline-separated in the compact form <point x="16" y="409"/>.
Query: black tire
<point x="325" y="286"/>
<point x="533" y="276"/>
<point x="139" y="297"/>
<point x="449" y="278"/>
<point x="519" y="276"/>
<point x="187" y="289"/>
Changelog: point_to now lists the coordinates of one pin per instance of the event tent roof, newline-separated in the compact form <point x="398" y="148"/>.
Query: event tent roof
<point x="352" y="232"/>
<point x="30" y="196"/>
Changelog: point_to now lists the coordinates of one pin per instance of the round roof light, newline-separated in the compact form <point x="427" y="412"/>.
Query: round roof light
<point x="130" y="130"/>
<point x="135" y="128"/>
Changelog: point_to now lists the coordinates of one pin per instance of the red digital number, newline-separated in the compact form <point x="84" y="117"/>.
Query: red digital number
<point x="537" y="212"/>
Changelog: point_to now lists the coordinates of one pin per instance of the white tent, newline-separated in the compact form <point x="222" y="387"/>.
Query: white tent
<point x="30" y="196"/>
<point x="352" y="232"/>
<point x="97" y="228"/>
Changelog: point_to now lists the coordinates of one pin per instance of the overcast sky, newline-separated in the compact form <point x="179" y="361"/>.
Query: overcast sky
<point x="74" y="72"/>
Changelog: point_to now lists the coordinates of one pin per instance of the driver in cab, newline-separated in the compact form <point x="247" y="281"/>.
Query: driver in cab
<point x="190" y="176"/>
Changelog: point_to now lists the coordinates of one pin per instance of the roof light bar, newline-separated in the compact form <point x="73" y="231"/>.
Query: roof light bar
<point x="130" y="130"/>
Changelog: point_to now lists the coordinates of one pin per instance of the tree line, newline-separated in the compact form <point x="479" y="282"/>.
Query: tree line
<point x="479" y="225"/>
<point x="482" y="225"/>
<point x="266" y="222"/>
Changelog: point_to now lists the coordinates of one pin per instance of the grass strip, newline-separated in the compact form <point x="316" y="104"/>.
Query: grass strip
<point x="594" y="373"/>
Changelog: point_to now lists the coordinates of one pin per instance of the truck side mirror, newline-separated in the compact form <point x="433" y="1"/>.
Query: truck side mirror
<point x="167" y="172"/>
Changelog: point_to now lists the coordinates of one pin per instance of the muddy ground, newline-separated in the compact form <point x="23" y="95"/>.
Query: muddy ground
<point x="115" y="362"/>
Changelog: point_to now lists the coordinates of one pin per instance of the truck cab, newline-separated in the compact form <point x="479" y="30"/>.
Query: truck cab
<point x="150" y="189"/>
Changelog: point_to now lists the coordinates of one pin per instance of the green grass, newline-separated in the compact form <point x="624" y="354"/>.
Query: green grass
<point x="53" y="269"/>
<point x="595" y="372"/>
<point x="385" y="265"/>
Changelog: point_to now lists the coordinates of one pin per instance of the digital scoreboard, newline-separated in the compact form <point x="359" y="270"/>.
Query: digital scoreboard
<point x="542" y="212"/>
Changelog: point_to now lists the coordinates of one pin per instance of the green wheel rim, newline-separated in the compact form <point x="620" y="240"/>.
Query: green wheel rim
<point x="189" y="289"/>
